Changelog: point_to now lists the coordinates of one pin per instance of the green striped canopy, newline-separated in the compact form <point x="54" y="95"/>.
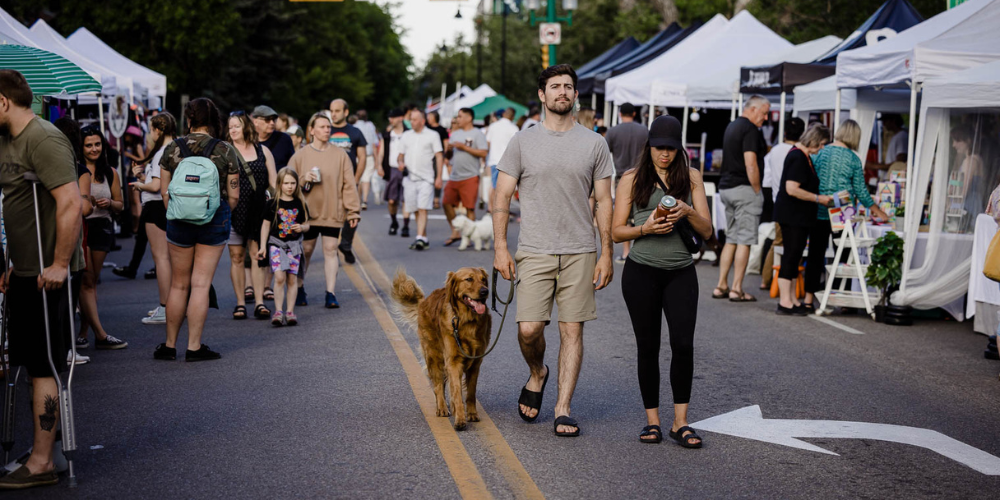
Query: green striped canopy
<point x="47" y="73"/>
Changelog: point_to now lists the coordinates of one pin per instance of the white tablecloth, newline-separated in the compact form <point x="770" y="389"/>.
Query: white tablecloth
<point x="981" y="288"/>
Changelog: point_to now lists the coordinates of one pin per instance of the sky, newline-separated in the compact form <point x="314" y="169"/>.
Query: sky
<point x="428" y="23"/>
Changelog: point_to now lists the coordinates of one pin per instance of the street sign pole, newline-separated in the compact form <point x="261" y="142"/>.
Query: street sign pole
<point x="551" y="17"/>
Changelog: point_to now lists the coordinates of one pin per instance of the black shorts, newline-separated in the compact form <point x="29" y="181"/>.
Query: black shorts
<point x="153" y="212"/>
<point x="26" y="325"/>
<point x="100" y="234"/>
<point x="315" y="231"/>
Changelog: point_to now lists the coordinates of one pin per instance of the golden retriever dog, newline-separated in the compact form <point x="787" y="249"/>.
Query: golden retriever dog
<point x="463" y="297"/>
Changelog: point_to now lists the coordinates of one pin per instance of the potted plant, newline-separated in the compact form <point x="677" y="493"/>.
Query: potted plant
<point x="885" y="269"/>
<point x="901" y="217"/>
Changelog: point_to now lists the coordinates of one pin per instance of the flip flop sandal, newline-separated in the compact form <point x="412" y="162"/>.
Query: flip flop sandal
<point x="268" y="294"/>
<point x="685" y="441"/>
<point x="449" y="241"/>
<point x="567" y="421"/>
<point x="532" y="399"/>
<point x="724" y="295"/>
<point x="240" y="312"/>
<point x="248" y="293"/>
<point x="651" y="430"/>
<point x="261" y="312"/>
<point x="743" y="297"/>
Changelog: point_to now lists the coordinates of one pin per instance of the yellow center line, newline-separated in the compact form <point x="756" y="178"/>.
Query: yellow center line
<point x="510" y="467"/>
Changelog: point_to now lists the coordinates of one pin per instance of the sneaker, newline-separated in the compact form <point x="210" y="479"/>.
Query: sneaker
<point x="415" y="245"/>
<point x="123" y="272"/>
<point x="620" y="260"/>
<point x="331" y="301"/>
<point x="300" y="299"/>
<point x="23" y="478"/>
<point x="159" y="317"/>
<point x="277" y="319"/>
<point x="110" y="343"/>
<point x="202" y="354"/>
<point x="150" y="275"/>
<point x="393" y="228"/>
<point x="165" y="353"/>
<point x="291" y="319"/>
<point x="348" y="254"/>
<point x="82" y="343"/>
<point x="405" y="232"/>
<point x="364" y="206"/>
<point x="80" y="359"/>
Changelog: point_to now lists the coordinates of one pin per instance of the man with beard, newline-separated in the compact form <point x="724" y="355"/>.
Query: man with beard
<point x="348" y="138"/>
<point x="553" y="165"/>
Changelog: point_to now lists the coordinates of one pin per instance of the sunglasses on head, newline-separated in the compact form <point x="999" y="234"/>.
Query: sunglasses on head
<point x="238" y="113"/>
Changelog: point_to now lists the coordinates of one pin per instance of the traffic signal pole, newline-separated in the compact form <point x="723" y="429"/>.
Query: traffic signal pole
<point x="551" y="17"/>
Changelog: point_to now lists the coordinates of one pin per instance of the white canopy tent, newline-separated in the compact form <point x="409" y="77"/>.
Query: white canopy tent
<point x="88" y="44"/>
<point x="957" y="148"/>
<point x="634" y="86"/>
<point x="14" y="33"/>
<point x="50" y="40"/>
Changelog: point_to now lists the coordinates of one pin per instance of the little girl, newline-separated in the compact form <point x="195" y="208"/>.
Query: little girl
<point x="285" y="219"/>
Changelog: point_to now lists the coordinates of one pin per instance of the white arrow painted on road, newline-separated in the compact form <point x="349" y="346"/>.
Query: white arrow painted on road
<point x="750" y="423"/>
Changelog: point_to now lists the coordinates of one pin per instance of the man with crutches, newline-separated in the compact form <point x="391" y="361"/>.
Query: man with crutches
<point x="42" y="211"/>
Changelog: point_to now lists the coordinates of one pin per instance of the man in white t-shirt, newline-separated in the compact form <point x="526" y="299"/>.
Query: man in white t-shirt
<point x="497" y="137"/>
<point x="420" y="159"/>
<point x="367" y="129"/>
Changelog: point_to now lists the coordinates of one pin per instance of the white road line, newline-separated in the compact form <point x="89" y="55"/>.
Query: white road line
<point x="429" y="217"/>
<point x="834" y="324"/>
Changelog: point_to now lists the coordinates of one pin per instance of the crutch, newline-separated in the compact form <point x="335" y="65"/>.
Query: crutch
<point x="10" y="386"/>
<point x="65" y="390"/>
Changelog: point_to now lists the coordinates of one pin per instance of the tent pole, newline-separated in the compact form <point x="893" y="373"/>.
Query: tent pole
<point x="652" y="115"/>
<point x="836" y="114"/>
<point x="684" y="129"/>
<point x="781" y="119"/>
<point x="614" y="117"/>
<point x="100" y="112"/>
<point x="732" y="111"/>
<point x="607" y="113"/>
<point x="704" y="142"/>
<point x="739" y="109"/>
<point x="593" y="101"/>
<point x="910" y="142"/>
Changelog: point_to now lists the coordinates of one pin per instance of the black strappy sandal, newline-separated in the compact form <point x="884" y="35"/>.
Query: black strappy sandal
<point x="685" y="441"/>
<point x="651" y="430"/>
<point x="261" y="312"/>
<point x="532" y="399"/>
<point x="240" y="312"/>
<point x="567" y="421"/>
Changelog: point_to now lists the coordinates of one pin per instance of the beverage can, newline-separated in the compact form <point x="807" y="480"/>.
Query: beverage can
<point x="315" y="171"/>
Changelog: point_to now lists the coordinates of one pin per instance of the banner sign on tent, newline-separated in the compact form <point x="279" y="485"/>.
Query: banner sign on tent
<point x="781" y="77"/>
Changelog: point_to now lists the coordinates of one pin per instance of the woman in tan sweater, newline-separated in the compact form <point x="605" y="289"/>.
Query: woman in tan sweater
<point x="332" y="196"/>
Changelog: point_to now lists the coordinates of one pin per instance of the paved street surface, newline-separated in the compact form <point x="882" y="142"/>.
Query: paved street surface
<point x="338" y="407"/>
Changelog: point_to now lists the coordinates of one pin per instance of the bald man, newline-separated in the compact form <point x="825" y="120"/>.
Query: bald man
<point x="352" y="141"/>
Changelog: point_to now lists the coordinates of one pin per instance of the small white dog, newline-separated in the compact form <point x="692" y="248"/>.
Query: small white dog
<point x="480" y="232"/>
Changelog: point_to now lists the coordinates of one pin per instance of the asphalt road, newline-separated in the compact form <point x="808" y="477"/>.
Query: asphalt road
<point x="336" y="407"/>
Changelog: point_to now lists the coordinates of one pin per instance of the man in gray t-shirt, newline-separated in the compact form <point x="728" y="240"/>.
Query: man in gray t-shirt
<point x="468" y="147"/>
<point x="626" y="140"/>
<point x="555" y="165"/>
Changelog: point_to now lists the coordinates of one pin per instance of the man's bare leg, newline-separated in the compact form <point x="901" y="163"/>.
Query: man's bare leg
<point x="45" y="406"/>
<point x="570" y="359"/>
<point x="531" y="337"/>
<point x="740" y="271"/>
<point x="422" y="223"/>
<point x="725" y="262"/>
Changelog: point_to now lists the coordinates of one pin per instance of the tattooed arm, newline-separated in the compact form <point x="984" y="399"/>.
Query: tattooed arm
<point x="234" y="190"/>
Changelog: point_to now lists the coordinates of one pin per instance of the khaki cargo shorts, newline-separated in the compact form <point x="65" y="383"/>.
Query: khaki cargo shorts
<point x="568" y="280"/>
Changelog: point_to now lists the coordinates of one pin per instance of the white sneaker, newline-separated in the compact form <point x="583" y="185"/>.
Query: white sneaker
<point x="80" y="358"/>
<point x="159" y="317"/>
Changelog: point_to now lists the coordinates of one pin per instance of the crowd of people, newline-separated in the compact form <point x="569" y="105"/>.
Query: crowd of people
<point x="268" y="189"/>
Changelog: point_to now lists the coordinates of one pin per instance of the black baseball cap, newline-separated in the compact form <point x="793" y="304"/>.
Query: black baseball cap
<point x="666" y="133"/>
<point x="395" y="113"/>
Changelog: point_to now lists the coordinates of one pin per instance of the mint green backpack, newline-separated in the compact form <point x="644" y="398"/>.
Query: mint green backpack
<point x="194" y="186"/>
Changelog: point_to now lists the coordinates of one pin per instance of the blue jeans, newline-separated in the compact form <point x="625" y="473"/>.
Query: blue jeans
<point x="215" y="233"/>
<point x="493" y="175"/>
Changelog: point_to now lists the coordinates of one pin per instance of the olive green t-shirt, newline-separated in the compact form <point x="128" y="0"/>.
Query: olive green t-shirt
<point x="40" y="148"/>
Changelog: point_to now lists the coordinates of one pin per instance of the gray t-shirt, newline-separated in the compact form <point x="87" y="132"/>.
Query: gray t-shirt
<point x="556" y="173"/>
<point x="626" y="142"/>
<point x="464" y="165"/>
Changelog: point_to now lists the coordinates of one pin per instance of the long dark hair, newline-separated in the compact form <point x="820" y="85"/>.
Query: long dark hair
<point x="678" y="177"/>
<point x="102" y="169"/>
<point x="167" y="125"/>
<point x="202" y="112"/>
<point x="71" y="129"/>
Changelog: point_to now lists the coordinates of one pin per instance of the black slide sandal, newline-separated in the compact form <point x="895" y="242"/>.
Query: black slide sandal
<point x="240" y="312"/>
<point x="651" y="430"/>
<point x="566" y="420"/>
<point x="685" y="441"/>
<point x="532" y="399"/>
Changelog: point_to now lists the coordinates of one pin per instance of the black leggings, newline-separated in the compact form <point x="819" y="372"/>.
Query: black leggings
<point x="794" y="238"/>
<point x="647" y="291"/>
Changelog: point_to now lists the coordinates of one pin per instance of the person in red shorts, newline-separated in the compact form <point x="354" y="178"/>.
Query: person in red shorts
<point x="468" y="147"/>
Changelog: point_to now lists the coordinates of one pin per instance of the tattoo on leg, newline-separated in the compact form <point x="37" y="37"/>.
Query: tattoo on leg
<point x="47" y="420"/>
<point x="502" y="210"/>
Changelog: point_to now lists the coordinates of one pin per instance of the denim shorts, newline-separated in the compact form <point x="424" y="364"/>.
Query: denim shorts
<point x="213" y="234"/>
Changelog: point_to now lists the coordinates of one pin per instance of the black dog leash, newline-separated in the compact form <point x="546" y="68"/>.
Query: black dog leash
<point x="503" y="317"/>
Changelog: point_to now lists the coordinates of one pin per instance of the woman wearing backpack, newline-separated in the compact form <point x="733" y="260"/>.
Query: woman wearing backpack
<point x="195" y="238"/>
